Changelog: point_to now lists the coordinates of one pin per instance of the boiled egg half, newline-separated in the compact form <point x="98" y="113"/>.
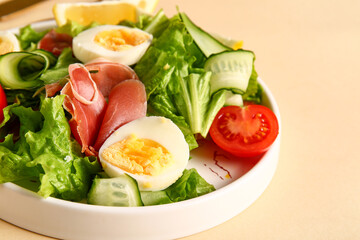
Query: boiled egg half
<point x="120" y="44"/>
<point x="152" y="150"/>
<point x="8" y="42"/>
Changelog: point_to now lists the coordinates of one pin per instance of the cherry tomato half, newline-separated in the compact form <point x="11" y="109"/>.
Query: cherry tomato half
<point x="244" y="131"/>
<point x="55" y="42"/>
<point x="3" y="103"/>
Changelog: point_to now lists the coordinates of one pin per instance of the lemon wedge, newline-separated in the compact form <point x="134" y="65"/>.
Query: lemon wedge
<point x="146" y="5"/>
<point x="105" y="12"/>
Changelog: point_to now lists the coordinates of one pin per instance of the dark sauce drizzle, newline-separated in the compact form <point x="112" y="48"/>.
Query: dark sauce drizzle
<point x="215" y="158"/>
<point x="212" y="170"/>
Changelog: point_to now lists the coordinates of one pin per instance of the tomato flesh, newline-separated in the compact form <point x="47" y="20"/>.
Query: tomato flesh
<point x="3" y="103"/>
<point x="55" y="42"/>
<point x="245" y="131"/>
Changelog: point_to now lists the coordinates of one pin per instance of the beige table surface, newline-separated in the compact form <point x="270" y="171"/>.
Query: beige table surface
<point x="308" y="54"/>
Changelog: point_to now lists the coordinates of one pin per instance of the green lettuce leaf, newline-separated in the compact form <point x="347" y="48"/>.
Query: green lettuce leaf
<point x="60" y="70"/>
<point x="189" y="185"/>
<point x="26" y="98"/>
<point x="6" y="126"/>
<point x="176" y="84"/>
<point x="28" y="37"/>
<point x="7" y="114"/>
<point x="13" y="166"/>
<point x="195" y="102"/>
<point x="45" y="150"/>
<point x="154" y="25"/>
<point x="15" y="156"/>
<point x="253" y="92"/>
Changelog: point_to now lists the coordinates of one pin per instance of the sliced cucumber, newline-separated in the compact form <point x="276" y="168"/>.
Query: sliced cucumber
<point x="21" y="70"/>
<point x="120" y="191"/>
<point x="207" y="43"/>
<point x="47" y="55"/>
<point x="231" y="70"/>
<point x="233" y="99"/>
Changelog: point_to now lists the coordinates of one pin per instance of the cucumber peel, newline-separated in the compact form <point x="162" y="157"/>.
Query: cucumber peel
<point x="207" y="43"/>
<point x="231" y="70"/>
<point x="21" y="70"/>
<point x="121" y="191"/>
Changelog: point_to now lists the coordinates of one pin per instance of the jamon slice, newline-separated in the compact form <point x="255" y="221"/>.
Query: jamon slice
<point x="86" y="104"/>
<point x="108" y="74"/>
<point x="127" y="102"/>
<point x="52" y="89"/>
<point x="105" y="74"/>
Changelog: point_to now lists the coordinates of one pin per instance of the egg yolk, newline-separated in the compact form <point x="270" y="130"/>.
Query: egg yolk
<point x="5" y="46"/>
<point x="120" y="39"/>
<point x="138" y="156"/>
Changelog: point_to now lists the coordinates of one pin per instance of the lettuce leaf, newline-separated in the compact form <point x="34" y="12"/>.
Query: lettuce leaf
<point x="26" y="98"/>
<point x="152" y="24"/>
<point x="176" y="84"/>
<point x="254" y="91"/>
<point x="156" y="24"/>
<point x="28" y="37"/>
<point x="60" y="70"/>
<point x="16" y="155"/>
<point x="189" y="185"/>
<point x="13" y="162"/>
<point x="45" y="150"/>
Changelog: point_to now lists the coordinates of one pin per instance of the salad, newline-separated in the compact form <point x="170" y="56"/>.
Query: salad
<point x="108" y="114"/>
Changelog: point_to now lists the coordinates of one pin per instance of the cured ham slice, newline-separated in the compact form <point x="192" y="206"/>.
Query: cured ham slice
<point x="55" y="42"/>
<point x="108" y="74"/>
<point x="105" y="74"/>
<point x="86" y="104"/>
<point x="52" y="89"/>
<point x="127" y="102"/>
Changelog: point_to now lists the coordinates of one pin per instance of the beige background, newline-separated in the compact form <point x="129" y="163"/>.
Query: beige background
<point x="308" y="54"/>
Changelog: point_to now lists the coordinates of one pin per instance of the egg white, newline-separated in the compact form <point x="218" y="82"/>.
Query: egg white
<point x="86" y="50"/>
<point x="9" y="36"/>
<point x="162" y="131"/>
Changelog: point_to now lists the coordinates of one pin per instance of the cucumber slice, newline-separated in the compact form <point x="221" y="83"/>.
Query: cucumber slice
<point x="231" y="70"/>
<point x="21" y="70"/>
<point x="233" y="99"/>
<point x="207" y="43"/>
<point x="120" y="191"/>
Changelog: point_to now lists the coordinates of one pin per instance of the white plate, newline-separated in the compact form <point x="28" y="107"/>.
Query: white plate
<point x="238" y="184"/>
